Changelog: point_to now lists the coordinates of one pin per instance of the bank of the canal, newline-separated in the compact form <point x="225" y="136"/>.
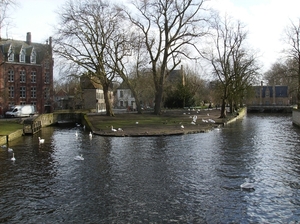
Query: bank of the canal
<point x="170" y="122"/>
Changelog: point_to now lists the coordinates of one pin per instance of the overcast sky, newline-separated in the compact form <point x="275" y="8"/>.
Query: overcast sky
<point x="265" y="21"/>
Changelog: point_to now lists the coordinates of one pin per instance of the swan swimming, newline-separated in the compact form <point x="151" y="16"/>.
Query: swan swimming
<point x="78" y="157"/>
<point x="247" y="185"/>
<point x="41" y="140"/>
<point x="13" y="157"/>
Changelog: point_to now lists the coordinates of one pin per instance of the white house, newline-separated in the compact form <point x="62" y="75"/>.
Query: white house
<point x="125" y="98"/>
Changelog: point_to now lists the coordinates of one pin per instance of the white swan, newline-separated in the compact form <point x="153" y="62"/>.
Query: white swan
<point x="10" y="150"/>
<point x="137" y="122"/>
<point x="182" y="126"/>
<point x="90" y="134"/>
<point x="120" y="129"/>
<point x="41" y="140"/>
<point x="76" y="134"/>
<point x="13" y="157"/>
<point x="78" y="157"/>
<point x="247" y="185"/>
<point x="112" y="129"/>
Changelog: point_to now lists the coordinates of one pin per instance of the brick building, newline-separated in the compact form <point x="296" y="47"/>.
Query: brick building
<point x="26" y="74"/>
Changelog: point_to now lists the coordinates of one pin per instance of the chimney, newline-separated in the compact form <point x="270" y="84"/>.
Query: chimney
<point x="28" y="38"/>
<point x="50" y="41"/>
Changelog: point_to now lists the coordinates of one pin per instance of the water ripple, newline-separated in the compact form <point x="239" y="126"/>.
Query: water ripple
<point x="176" y="179"/>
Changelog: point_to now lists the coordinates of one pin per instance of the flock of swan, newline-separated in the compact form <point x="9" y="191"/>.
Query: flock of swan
<point x="42" y="141"/>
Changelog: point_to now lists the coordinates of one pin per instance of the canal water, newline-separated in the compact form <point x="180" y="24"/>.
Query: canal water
<point x="169" y="179"/>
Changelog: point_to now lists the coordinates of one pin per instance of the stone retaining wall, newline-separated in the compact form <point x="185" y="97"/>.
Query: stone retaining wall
<point x="11" y="136"/>
<point x="296" y="117"/>
<point x="242" y="113"/>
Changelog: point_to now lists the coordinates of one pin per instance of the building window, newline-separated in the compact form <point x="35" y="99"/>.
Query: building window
<point x="11" y="104"/>
<point x="22" y="55"/>
<point x="47" y="64"/>
<point x="22" y="76"/>
<point x="33" y="92"/>
<point x="10" y="75"/>
<point x="47" y="78"/>
<point x="33" y="57"/>
<point x="46" y="93"/>
<point x="121" y="93"/>
<point x="22" y="103"/>
<point x="11" y="54"/>
<point x="121" y="103"/>
<point x="33" y="103"/>
<point x="33" y="76"/>
<point x="11" y="92"/>
<point x="22" y="92"/>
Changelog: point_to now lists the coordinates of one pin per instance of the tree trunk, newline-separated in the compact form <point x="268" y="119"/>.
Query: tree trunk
<point x="223" y="109"/>
<point x="109" y="111"/>
<point x="137" y="102"/>
<point x="298" y="89"/>
<point x="158" y="101"/>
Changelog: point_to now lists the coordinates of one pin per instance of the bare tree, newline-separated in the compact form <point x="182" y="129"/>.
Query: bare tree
<point x="5" y="5"/>
<point x="168" y="28"/>
<point x="232" y="64"/>
<point x="293" y="51"/>
<point x="284" y="73"/>
<point x="86" y="37"/>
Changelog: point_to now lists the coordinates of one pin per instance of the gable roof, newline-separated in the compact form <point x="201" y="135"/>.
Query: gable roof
<point x="42" y="50"/>
<point x="90" y="82"/>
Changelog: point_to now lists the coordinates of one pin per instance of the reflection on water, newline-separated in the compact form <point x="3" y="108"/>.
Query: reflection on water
<point x="186" y="179"/>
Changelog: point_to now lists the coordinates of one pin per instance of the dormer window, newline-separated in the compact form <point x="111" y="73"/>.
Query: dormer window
<point x="33" y="57"/>
<point x="22" y="55"/>
<point x="11" y="54"/>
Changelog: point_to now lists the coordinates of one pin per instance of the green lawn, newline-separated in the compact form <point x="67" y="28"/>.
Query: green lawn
<point x="9" y="126"/>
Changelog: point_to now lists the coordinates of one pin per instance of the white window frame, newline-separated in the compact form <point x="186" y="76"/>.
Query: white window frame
<point x="11" y="54"/>
<point x="22" y="76"/>
<point x="33" y="76"/>
<point x="33" y="56"/>
<point x="22" y="55"/>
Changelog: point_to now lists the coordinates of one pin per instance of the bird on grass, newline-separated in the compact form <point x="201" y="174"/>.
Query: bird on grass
<point x="112" y="129"/>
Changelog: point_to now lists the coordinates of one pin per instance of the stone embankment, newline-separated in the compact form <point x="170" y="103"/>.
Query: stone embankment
<point x="182" y="117"/>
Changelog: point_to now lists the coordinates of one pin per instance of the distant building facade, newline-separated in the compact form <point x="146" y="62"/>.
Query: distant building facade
<point x="26" y="74"/>
<point x="125" y="97"/>
<point x="92" y="94"/>
<point x="270" y="96"/>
